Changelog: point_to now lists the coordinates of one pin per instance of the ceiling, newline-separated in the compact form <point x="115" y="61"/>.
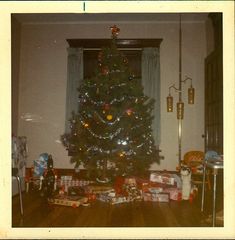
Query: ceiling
<point x="56" y="18"/>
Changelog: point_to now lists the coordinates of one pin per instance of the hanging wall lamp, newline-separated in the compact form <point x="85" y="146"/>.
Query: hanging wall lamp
<point x="180" y="104"/>
<point x="179" y="90"/>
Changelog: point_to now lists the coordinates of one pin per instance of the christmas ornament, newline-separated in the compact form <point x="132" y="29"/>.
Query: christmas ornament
<point x="125" y="60"/>
<point x="129" y="112"/>
<point x="121" y="154"/>
<point x="109" y="117"/>
<point x="115" y="31"/>
<point x="105" y="71"/>
<point x="106" y="106"/>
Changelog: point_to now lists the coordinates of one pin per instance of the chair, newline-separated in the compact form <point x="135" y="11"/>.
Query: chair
<point x="15" y="174"/>
<point x="195" y="160"/>
<point x="19" y="155"/>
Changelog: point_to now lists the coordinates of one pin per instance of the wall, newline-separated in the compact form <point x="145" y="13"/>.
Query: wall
<point x="43" y="76"/>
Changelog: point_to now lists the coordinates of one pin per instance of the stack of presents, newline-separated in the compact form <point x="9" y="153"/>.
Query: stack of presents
<point x="158" y="187"/>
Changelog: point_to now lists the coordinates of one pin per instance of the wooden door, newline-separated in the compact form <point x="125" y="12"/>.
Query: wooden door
<point x="214" y="102"/>
<point x="214" y="89"/>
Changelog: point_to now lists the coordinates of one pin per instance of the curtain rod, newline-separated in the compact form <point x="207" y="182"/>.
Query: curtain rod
<point x="127" y="49"/>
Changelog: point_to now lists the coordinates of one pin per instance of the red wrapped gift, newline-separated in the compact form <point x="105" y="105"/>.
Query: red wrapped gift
<point x="174" y="193"/>
<point x="142" y="183"/>
<point x="118" y="185"/>
<point x="91" y="197"/>
<point x="153" y="187"/>
<point x="164" y="178"/>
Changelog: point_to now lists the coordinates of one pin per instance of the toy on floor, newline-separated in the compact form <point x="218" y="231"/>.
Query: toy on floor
<point x="186" y="182"/>
<point x="48" y="180"/>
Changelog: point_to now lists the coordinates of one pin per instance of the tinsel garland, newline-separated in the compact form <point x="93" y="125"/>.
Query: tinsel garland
<point x="101" y="103"/>
<point x="111" y="136"/>
<point x="82" y="121"/>
<point x="101" y="84"/>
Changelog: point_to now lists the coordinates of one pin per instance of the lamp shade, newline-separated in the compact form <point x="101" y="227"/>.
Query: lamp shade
<point x="180" y="110"/>
<point x="191" y="93"/>
<point x="169" y="100"/>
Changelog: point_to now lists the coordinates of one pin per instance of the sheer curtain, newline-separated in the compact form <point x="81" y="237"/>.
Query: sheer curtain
<point x="151" y="83"/>
<point x="74" y="79"/>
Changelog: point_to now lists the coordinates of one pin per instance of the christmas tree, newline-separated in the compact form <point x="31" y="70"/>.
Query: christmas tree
<point x="111" y="134"/>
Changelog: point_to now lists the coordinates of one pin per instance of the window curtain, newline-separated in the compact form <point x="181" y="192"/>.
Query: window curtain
<point x="74" y="79"/>
<point x="150" y="64"/>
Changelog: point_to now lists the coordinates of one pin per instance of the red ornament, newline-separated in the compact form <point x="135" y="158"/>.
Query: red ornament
<point x="106" y="106"/>
<point x="105" y="71"/>
<point x="129" y="111"/>
<point x="118" y="185"/>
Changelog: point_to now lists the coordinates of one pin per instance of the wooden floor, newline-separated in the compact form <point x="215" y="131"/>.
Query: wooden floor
<point x="99" y="214"/>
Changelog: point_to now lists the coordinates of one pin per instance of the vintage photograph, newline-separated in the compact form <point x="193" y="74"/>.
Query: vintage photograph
<point x="118" y="120"/>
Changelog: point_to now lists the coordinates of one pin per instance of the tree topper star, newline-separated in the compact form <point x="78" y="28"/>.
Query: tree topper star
<point x="115" y="31"/>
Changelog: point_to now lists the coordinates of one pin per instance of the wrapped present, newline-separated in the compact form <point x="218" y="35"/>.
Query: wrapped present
<point x="174" y="193"/>
<point x="132" y="192"/>
<point x="67" y="182"/>
<point x="147" y="186"/>
<point x="112" y="198"/>
<point x="91" y="197"/>
<point x="155" y="189"/>
<point x="130" y="180"/>
<point x="103" y="197"/>
<point x="119" y="199"/>
<point x="142" y="183"/>
<point x="96" y="189"/>
<point x="68" y="200"/>
<point x="155" y="197"/>
<point x="118" y="185"/>
<point x="76" y="191"/>
<point x="164" y="178"/>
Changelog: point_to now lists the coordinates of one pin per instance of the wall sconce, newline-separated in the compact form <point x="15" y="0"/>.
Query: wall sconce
<point x="180" y="104"/>
<point x="169" y="103"/>
<point x="180" y="110"/>
<point x="191" y="91"/>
